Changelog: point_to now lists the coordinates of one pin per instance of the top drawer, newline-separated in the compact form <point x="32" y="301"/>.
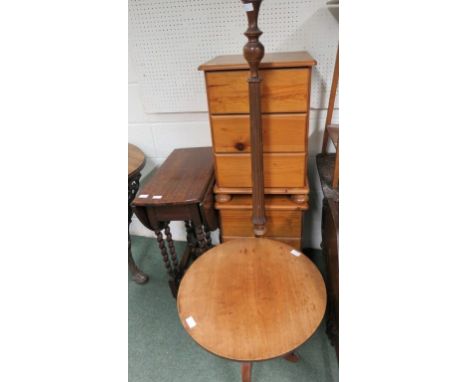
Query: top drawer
<point x="283" y="90"/>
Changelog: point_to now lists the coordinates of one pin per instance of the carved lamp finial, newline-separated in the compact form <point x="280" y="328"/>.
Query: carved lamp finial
<point x="253" y="50"/>
<point x="253" y="53"/>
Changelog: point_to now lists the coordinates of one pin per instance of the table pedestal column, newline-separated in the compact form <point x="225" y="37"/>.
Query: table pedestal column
<point x="292" y="357"/>
<point x="246" y="369"/>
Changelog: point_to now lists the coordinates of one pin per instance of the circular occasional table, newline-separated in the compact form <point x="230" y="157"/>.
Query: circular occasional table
<point x="252" y="300"/>
<point x="136" y="161"/>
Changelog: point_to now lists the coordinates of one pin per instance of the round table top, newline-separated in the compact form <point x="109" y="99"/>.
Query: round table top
<point x="251" y="299"/>
<point x="136" y="160"/>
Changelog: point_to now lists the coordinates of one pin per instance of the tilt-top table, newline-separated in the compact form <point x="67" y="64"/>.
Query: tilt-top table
<point x="251" y="300"/>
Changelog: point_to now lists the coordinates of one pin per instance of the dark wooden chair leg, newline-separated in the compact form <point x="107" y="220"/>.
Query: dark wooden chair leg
<point x="246" y="369"/>
<point x="292" y="357"/>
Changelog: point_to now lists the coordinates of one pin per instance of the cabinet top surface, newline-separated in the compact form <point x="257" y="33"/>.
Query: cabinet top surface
<point x="271" y="60"/>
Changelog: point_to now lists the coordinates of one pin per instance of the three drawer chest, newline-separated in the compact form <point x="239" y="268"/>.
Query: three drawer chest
<point x="285" y="90"/>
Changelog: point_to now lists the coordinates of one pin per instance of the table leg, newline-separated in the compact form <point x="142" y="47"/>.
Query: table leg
<point x="170" y="243"/>
<point x="137" y="275"/>
<point x="246" y="369"/>
<point x="208" y="238"/>
<point x="201" y="240"/>
<point x="191" y="238"/>
<point x="167" y="263"/>
<point x="292" y="357"/>
<point x="165" y="255"/>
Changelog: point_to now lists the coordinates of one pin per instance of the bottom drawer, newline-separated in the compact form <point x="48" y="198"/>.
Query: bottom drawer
<point x="294" y="242"/>
<point x="283" y="218"/>
<point x="279" y="223"/>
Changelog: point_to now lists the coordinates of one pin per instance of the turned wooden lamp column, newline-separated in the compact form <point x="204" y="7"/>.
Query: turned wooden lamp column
<point x="253" y="53"/>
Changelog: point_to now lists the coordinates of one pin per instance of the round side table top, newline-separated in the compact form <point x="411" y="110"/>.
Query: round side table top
<point x="251" y="299"/>
<point x="136" y="160"/>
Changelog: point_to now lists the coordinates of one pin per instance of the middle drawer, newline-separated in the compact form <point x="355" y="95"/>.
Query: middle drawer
<point x="279" y="169"/>
<point x="281" y="133"/>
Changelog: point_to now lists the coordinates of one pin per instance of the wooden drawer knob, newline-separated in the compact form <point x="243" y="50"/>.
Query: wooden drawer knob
<point x="240" y="146"/>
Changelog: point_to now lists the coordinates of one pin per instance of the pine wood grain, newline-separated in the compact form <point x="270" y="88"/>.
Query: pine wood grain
<point x="270" y="60"/>
<point x="252" y="299"/>
<point x="278" y="223"/>
<point x="294" y="242"/>
<point x="284" y="218"/>
<point x="282" y="90"/>
<point x="280" y="170"/>
<point x="281" y="133"/>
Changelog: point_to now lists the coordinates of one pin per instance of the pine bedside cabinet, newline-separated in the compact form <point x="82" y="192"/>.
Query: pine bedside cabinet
<point x="285" y="106"/>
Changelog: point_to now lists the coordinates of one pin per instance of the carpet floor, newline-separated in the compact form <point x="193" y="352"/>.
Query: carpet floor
<point x="159" y="349"/>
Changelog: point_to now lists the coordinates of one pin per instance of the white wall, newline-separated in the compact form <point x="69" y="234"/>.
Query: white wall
<point x="157" y="135"/>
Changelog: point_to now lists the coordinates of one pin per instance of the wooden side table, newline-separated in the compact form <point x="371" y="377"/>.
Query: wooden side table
<point x="252" y="300"/>
<point x="182" y="189"/>
<point x="136" y="161"/>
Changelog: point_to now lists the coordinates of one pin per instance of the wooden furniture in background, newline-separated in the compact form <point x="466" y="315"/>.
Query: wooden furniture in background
<point x="332" y="130"/>
<point x="330" y="242"/>
<point x="251" y="300"/>
<point x="285" y="95"/>
<point x="328" y="170"/>
<point x="284" y="107"/>
<point x="182" y="189"/>
<point x="136" y="161"/>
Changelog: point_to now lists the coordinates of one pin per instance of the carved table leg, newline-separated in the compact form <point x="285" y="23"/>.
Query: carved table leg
<point x="246" y="369"/>
<point x="292" y="357"/>
<point x="137" y="275"/>
<point x="201" y="240"/>
<point x="189" y="250"/>
<point x="170" y="242"/>
<point x="167" y="263"/>
<point x="208" y="238"/>
<point x="174" y="283"/>
<point x="191" y="238"/>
